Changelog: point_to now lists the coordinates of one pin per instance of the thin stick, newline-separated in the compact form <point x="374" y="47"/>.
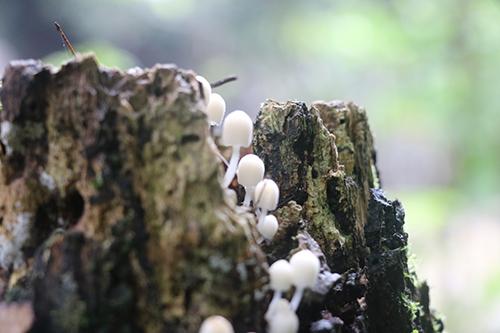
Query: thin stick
<point x="223" y="81"/>
<point x="65" y="39"/>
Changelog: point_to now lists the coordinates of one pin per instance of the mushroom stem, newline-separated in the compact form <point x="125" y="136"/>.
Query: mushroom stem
<point x="262" y="215"/>
<point x="248" y="195"/>
<point x="233" y="164"/>
<point x="277" y="296"/>
<point x="297" y="296"/>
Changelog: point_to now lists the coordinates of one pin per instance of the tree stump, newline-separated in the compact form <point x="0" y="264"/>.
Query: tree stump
<point x="113" y="217"/>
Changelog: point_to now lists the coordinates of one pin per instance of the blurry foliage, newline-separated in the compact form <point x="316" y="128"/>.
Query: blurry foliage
<point x="492" y="290"/>
<point x="428" y="210"/>
<point x="107" y="55"/>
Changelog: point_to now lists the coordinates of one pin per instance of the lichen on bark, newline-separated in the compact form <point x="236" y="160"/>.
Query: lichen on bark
<point x="114" y="218"/>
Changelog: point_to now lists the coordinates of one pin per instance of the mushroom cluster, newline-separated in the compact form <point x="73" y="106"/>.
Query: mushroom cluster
<point x="302" y="272"/>
<point x="262" y="194"/>
<point x="237" y="133"/>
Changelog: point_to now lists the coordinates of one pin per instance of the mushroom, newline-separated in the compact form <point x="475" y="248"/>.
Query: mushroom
<point x="216" y="324"/>
<point x="282" y="319"/>
<point x="268" y="227"/>
<point x="206" y="88"/>
<point x="216" y="109"/>
<point x="250" y="172"/>
<point x="266" y="197"/>
<point x="280" y="274"/>
<point x="237" y="132"/>
<point x="305" y="270"/>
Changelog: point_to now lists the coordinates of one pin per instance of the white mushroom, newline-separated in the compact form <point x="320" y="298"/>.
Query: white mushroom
<point x="268" y="226"/>
<point x="282" y="319"/>
<point x="250" y="173"/>
<point x="216" y="109"/>
<point x="216" y="324"/>
<point x="266" y="197"/>
<point x="237" y="131"/>
<point x="280" y="274"/>
<point x="205" y="86"/>
<point x="305" y="269"/>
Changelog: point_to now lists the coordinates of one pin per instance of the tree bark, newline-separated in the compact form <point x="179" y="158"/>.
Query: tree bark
<point x="113" y="218"/>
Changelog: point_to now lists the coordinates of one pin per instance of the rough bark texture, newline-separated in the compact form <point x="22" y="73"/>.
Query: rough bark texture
<point x="113" y="218"/>
<point x="323" y="160"/>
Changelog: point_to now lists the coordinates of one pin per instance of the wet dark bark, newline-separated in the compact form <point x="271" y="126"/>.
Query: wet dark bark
<point x="113" y="218"/>
<point x="324" y="161"/>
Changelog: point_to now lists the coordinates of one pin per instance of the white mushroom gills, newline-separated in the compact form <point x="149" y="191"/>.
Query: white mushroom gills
<point x="250" y="172"/>
<point x="266" y="197"/>
<point x="216" y="324"/>
<point x="237" y="132"/>
<point x="207" y="89"/>
<point x="268" y="227"/>
<point x="280" y="274"/>
<point x="305" y="270"/>
<point x="216" y="109"/>
<point x="282" y="319"/>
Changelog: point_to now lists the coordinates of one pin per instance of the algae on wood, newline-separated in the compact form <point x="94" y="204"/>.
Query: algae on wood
<point x="114" y="219"/>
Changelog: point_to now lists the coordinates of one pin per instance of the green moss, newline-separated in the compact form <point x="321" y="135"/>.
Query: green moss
<point x="97" y="182"/>
<point x="412" y="306"/>
<point x="322" y="221"/>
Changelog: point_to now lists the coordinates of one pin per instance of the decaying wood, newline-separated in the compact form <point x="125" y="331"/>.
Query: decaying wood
<point x="113" y="218"/>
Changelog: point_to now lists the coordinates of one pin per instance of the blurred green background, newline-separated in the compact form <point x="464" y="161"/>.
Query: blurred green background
<point x="428" y="73"/>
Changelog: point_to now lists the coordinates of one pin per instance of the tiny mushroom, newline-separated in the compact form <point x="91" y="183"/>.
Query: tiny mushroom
<point x="237" y="131"/>
<point x="305" y="269"/>
<point x="216" y="324"/>
<point x="282" y="319"/>
<point x="206" y="88"/>
<point x="250" y="173"/>
<point x="268" y="226"/>
<point x="266" y="197"/>
<point x="216" y="109"/>
<point x="280" y="274"/>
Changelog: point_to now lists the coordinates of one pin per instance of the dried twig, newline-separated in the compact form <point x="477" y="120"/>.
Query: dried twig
<point x="65" y="39"/>
<point x="223" y="81"/>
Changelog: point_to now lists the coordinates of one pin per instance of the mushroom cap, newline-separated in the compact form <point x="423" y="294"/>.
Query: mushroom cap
<point x="216" y="108"/>
<point x="282" y="319"/>
<point x="250" y="170"/>
<point x="207" y="89"/>
<point x="281" y="275"/>
<point x="237" y="129"/>
<point x="305" y="269"/>
<point x="216" y="324"/>
<point x="268" y="227"/>
<point x="266" y="194"/>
